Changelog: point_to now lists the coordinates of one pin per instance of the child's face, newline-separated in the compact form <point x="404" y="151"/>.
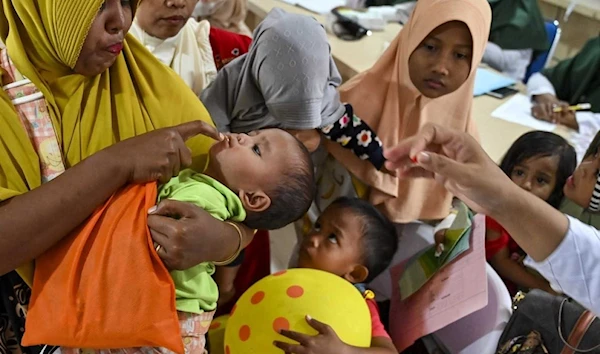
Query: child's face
<point x="335" y="245"/>
<point x="580" y="186"/>
<point x="253" y="162"/>
<point x="442" y="62"/>
<point x="536" y="175"/>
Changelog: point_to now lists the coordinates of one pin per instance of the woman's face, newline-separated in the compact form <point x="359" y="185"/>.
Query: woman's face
<point x="164" y="18"/>
<point x="580" y="186"/>
<point x="442" y="62"/>
<point x="104" y="41"/>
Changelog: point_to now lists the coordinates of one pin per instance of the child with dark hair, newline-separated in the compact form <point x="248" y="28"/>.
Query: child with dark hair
<point x="582" y="190"/>
<point x="264" y="179"/>
<point x="539" y="162"/>
<point x="354" y="240"/>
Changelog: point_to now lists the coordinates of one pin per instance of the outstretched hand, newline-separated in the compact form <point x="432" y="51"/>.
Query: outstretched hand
<point x="160" y="154"/>
<point x="455" y="160"/>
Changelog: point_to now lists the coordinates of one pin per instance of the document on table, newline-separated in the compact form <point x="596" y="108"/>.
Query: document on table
<point x="589" y="125"/>
<point x="322" y="7"/>
<point x="518" y="110"/>
<point x="487" y="80"/>
<point x="454" y="292"/>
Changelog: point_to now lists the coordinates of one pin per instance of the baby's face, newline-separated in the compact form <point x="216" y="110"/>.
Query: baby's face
<point x="580" y="186"/>
<point x="253" y="161"/>
<point x="335" y="244"/>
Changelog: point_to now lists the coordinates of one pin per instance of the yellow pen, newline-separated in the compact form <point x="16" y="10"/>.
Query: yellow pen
<point x="577" y="107"/>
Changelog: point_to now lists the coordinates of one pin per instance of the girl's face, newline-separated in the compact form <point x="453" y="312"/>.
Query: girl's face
<point x="580" y="186"/>
<point x="442" y="62"/>
<point x="104" y="41"/>
<point x="335" y="244"/>
<point x="164" y="18"/>
<point x="537" y="175"/>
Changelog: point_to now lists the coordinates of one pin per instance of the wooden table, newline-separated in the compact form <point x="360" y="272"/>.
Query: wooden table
<point x="587" y="8"/>
<point x="353" y="57"/>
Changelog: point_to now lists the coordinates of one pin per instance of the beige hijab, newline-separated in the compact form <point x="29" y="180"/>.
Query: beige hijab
<point x="385" y="98"/>
<point x="189" y="53"/>
<point x="230" y="15"/>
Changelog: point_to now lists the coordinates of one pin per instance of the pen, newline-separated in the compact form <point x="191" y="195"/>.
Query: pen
<point x="577" y="107"/>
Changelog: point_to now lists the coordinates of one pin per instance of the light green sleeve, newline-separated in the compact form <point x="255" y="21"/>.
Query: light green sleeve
<point x="206" y="193"/>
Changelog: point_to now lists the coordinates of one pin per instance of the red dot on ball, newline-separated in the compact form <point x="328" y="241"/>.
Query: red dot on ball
<point x="244" y="333"/>
<point x="227" y="350"/>
<point x="257" y="297"/>
<point x="215" y="325"/>
<point x="281" y="323"/>
<point x="295" y="291"/>
<point x="282" y="272"/>
<point x="233" y="310"/>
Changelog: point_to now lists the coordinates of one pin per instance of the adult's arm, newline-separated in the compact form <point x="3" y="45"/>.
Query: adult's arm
<point x="539" y="85"/>
<point x="563" y="250"/>
<point x="34" y="221"/>
<point x="573" y="268"/>
<point x="512" y="62"/>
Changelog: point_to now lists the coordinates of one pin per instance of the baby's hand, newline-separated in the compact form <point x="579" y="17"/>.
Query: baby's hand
<point x="326" y="342"/>
<point x="439" y="238"/>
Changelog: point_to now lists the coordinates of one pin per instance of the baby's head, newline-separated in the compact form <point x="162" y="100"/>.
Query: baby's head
<point x="351" y="239"/>
<point x="580" y="187"/>
<point x="270" y="171"/>
<point x="540" y="162"/>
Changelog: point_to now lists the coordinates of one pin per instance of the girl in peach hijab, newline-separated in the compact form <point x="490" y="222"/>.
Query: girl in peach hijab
<point x="425" y="76"/>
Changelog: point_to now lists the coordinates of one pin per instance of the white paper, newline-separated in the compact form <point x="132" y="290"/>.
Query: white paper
<point x="322" y="7"/>
<point x="518" y="110"/>
<point x="589" y="125"/>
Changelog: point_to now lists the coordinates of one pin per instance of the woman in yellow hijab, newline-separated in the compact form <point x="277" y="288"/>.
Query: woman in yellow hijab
<point x="101" y="108"/>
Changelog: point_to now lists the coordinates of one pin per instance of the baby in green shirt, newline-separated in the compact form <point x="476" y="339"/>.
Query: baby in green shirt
<point x="264" y="179"/>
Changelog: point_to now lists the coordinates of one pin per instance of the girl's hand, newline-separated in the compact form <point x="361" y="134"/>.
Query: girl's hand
<point x="326" y="342"/>
<point x="158" y="155"/>
<point x="188" y="235"/>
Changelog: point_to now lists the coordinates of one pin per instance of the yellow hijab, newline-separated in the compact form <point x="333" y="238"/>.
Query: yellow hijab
<point x="136" y="95"/>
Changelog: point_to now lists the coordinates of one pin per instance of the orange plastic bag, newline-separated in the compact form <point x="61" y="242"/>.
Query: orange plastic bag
<point x="104" y="286"/>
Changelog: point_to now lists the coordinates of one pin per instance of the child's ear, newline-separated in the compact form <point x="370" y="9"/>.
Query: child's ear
<point x="357" y="274"/>
<point x="255" y="201"/>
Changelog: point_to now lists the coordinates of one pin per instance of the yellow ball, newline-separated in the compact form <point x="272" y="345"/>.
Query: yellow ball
<point x="282" y="300"/>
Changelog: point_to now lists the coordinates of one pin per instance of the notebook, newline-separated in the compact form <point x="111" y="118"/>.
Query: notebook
<point x="487" y="80"/>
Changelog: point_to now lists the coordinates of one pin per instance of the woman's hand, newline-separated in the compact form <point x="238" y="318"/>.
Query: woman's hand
<point x="188" y="235"/>
<point x="159" y="155"/>
<point x="455" y="160"/>
<point x="311" y="138"/>
<point x="543" y="109"/>
<point x="325" y="342"/>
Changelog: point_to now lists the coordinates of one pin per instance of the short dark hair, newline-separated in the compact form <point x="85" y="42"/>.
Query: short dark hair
<point x="380" y="239"/>
<point x="594" y="146"/>
<point x="543" y="144"/>
<point x="291" y="197"/>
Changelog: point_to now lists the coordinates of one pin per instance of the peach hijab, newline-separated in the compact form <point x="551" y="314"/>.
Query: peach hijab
<point x="385" y="98"/>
